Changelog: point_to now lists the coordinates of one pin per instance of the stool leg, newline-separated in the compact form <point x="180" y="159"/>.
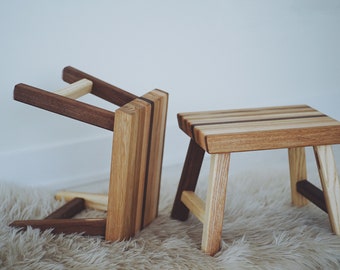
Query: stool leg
<point x="330" y="184"/>
<point x="298" y="172"/>
<point x="188" y="181"/>
<point x="215" y="202"/>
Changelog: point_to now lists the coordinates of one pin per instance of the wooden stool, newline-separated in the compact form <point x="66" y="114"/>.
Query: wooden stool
<point x="222" y="132"/>
<point x="136" y="164"/>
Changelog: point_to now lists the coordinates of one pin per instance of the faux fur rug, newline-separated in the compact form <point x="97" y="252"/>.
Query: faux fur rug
<point x="261" y="231"/>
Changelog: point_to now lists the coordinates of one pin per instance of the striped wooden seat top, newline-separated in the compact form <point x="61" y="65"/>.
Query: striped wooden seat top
<point x="260" y="128"/>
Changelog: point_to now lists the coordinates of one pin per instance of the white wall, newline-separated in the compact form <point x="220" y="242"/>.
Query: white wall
<point x="206" y="54"/>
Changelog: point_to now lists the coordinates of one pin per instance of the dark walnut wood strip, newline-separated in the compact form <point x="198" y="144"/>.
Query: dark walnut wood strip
<point x="312" y="193"/>
<point x="100" y="88"/>
<point x="91" y="227"/>
<point x="188" y="181"/>
<point x="68" y="210"/>
<point x="64" y="106"/>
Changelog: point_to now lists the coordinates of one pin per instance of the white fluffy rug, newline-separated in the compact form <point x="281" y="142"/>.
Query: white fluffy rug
<point x="261" y="231"/>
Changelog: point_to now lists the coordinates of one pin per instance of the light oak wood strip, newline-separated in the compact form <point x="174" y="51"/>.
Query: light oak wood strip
<point x="330" y="184"/>
<point x="244" y="127"/>
<point x="273" y="139"/>
<point x="195" y="204"/>
<point x="235" y="118"/>
<point x="129" y="156"/>
<point x="92" y="200"/>
<point x="247" y="111"/>
<point x="100" y="88"/>
<point x="260" y="125"/>
<point x="215" y="203"/>
<point x="76" y="89"/>
<point x="142" y="148"/>
<point x="186" y="120"/>
<point x="204" y="125"/>
<point x="298" y="172"/>
<point x="159" y="101"/>
<point x="227" y="116"/>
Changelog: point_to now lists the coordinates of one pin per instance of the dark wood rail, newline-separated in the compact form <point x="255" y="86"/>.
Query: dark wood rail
<point x="100" y="88"/>
<point x="312" y="193"/>
<point x="64" y="106"/>
<point x="92" y="226"/>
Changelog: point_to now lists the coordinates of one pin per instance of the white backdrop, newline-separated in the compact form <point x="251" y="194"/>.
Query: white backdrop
<point x="207" y="54"/>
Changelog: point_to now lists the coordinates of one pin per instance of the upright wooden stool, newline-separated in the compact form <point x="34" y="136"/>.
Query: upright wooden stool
<point x="136" y="164"/>
<point x="222" y="132"/>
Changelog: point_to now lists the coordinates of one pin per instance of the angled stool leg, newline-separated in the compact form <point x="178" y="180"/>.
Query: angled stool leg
<point x="215" y="202"/>
<point x="298" y="172"/>
<point x="188" y="181"/>
<point x="330" y="184"/>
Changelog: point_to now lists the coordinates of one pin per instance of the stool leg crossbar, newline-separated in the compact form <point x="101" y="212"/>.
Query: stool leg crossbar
<point x="327" y="199"/>
<point x="136" y="164"/>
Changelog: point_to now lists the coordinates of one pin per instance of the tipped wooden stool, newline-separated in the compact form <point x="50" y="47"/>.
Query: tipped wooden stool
<point x="222" y="132"/>
<point x="136" y="164"/>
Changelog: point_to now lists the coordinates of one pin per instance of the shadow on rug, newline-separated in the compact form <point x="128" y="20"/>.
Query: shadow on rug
<point x="261" y="231"/>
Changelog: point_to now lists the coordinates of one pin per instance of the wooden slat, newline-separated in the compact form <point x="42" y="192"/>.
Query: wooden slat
<point x="271" y="140"/>
<point x="194" y="203"/>
<point x="268" y="125"/>
<point x="128" y="167"/>
<point x="68" y="210"/>
<point x="76" y="89"/>
<point x="92" y="200"/>
<point x="100" y="88"/>
<point x="298" y="172"/>
<point x="215" y="203"/>
<point x="330" y="184"/>
<point x="265" y="128"/>
<point x="189" y="120"/>
<point x="190" y="173"/>
<point x="92" y="227"/>
<point x="159" y="102"/>
<point x="64" y="106"/>
<point x="312" y="193"/>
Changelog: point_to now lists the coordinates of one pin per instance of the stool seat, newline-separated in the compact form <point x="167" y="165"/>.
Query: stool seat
<point x="222" y="132"/>
<point x="260" y="128"/>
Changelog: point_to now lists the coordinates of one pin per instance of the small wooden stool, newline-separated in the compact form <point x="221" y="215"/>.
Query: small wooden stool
<point x="136" y="161"/>
<point x="222" y="132"/>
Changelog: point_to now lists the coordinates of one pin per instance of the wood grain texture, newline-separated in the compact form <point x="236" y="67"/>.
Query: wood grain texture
<point x="92" y="200"/>
<point x="128" y="166"/>
<point x="159" y="101"/>
<point x="68" y="210"/>
<point x="64" y="106"/>
<point x="138" y="145"/>
<point x="312" y="193"/>
<point x="136" y="165"/>
<point x="188" y="181"/>
<point x="330" y="184"/>
<point x="100" y="88"/>
<point x="260" y="129"/>
<point x="298" y="172"/>
<point x="91" y="227"/>
<point x="195" y="204"/>
<point x="76" y="89"/>
<point x="215" y="203"/>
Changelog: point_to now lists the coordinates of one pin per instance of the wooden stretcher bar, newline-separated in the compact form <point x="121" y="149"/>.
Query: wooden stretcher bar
<point x="64" y="106"/>
<point x="100" y="88"/>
